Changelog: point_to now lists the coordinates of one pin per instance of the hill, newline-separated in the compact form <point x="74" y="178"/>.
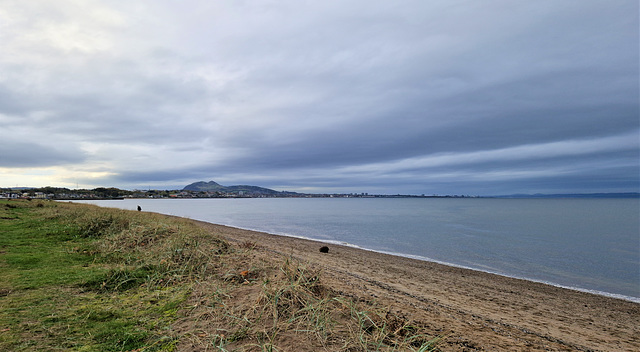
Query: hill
<point x="212" y="186"/>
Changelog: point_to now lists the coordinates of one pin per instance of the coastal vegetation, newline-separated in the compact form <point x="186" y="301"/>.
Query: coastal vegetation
<point x="199" y="189"/>
<point x="85" y="278"/>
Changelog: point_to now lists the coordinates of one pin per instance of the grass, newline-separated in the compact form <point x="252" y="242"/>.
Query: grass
<point x="84" y="278"/>
<point x="65" y="286"/>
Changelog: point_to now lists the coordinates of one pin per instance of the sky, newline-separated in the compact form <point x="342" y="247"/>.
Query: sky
<point x="387" y="97"/>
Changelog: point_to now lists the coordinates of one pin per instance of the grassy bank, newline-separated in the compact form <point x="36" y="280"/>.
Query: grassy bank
<point x="80" y="277"/>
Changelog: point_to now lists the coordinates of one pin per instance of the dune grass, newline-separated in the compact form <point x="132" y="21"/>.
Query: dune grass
<point x="66" y="283"/>
<point x="80" y="277"/>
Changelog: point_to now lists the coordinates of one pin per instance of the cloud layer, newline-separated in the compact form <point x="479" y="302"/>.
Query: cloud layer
<point x="403" y="97"/>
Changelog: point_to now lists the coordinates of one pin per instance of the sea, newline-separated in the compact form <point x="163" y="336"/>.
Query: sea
<point x="590" y="245"/>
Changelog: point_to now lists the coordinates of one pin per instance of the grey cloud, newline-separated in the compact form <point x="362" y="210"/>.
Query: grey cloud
<point x="293" y="96"/>
<point x="16" y="153"/>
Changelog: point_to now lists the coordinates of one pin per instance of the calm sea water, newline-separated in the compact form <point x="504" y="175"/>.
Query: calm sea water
<point x="585" y="244"/>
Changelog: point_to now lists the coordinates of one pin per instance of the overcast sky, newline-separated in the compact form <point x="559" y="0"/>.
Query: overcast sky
<point x="421" y="97"/>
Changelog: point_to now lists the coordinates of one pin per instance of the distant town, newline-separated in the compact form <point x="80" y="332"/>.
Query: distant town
<point x="212" y="189"/>
<point x="194" y="190"/>
<point x="54" y="193"/>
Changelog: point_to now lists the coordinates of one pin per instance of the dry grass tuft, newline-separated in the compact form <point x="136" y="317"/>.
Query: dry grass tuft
<point x="286" y="307"/>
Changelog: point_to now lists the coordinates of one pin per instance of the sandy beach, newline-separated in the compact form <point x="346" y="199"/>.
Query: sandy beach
<point x="471" y="310"/>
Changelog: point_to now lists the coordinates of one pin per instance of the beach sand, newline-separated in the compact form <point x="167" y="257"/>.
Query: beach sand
<point x="472" y="310"/>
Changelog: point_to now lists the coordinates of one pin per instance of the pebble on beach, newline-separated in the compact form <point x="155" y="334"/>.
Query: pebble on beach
<point x="324" y="249"/>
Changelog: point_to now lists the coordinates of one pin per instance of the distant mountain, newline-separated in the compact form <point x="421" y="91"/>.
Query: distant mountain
<point x="212" y="186"/>
<point x="574" y="195"/>
<point x="204" y="187"/>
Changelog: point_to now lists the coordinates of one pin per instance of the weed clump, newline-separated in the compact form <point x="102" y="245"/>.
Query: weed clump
<point x="120" y="279"/>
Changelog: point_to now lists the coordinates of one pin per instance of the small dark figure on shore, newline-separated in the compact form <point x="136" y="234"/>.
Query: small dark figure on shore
<point x="139" y="208"/>
<point x="324" y="249"/>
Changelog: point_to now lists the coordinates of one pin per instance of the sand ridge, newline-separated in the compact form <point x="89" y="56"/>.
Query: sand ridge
<point x="472" y="310"/>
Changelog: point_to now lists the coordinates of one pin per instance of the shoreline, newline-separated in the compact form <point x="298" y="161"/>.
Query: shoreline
<point x="467" y="306"/>
<point x="431" y="260"/>
<point x="631" y="299"/>
<point x="567" y="276"/>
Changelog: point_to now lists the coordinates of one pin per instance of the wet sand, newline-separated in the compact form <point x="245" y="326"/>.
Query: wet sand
<point x="472" y="310"/>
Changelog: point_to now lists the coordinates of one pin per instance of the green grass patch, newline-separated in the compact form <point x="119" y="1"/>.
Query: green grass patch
<point x="77" y="277"/>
